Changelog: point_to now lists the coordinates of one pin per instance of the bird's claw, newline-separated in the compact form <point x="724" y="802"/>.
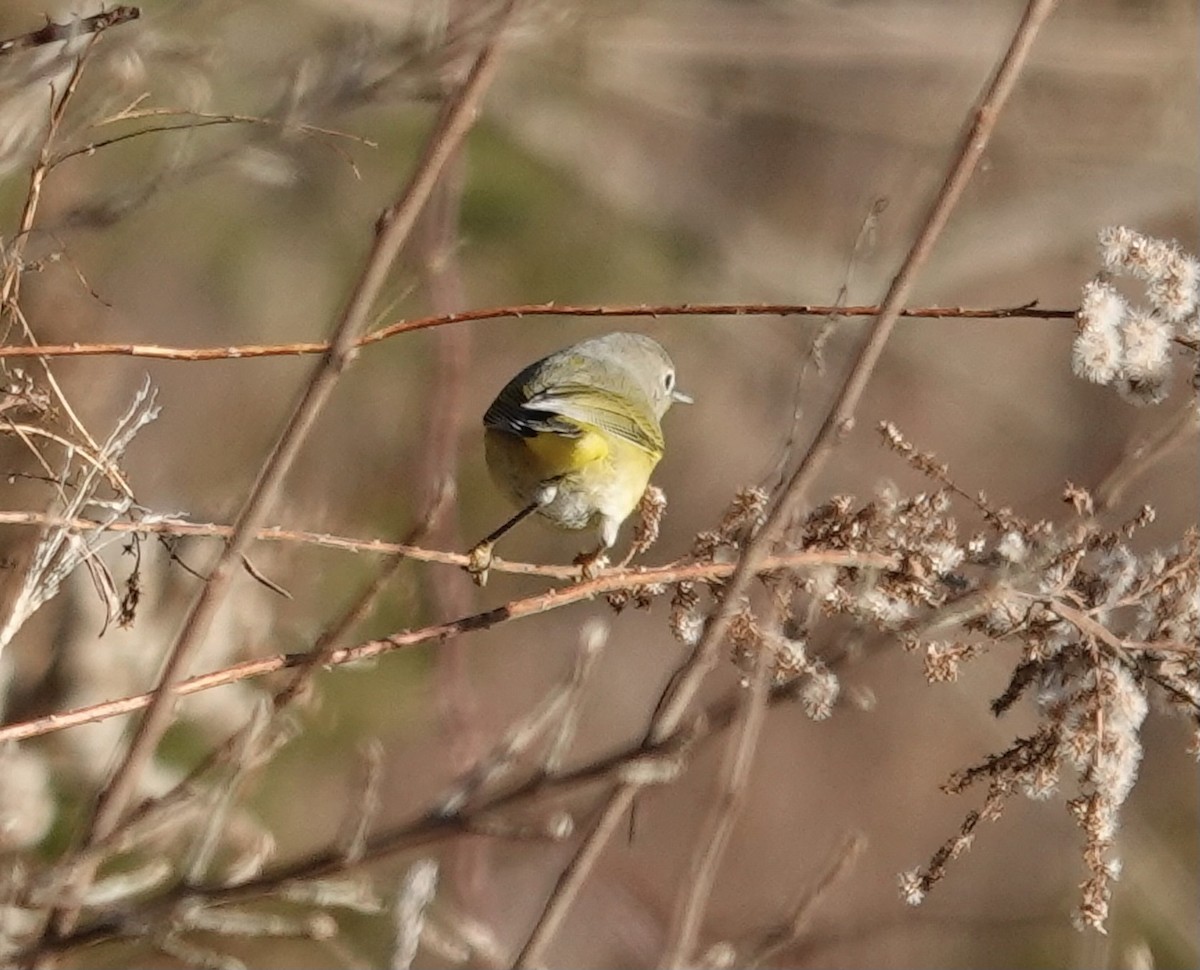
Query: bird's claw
<point x="479" y="561"/>
<point x="591" y="563"/>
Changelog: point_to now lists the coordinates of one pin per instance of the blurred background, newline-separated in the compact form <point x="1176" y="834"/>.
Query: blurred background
<point x="782" y="150"/>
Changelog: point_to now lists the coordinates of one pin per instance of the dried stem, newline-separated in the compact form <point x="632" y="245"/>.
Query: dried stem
<point x="718" y="825"/>
<point x="465" y="865"/>
<point x="392" y="231"/>
<point x="14" y="254"/>
<point x="14" y="257"/>
<point x="774" y="941"/>
<point x="202" y="120"/>
<point x="517" y="609"/>
<point x="1166" y="437"/>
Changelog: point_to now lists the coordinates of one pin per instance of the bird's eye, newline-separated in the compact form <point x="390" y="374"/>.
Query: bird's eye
<point x="669" y="381"/>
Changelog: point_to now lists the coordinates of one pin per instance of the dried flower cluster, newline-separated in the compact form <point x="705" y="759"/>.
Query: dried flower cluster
<point x="1101" y="630"/>
<point x="1129" y="346"/>
<point x="782" y="641"/>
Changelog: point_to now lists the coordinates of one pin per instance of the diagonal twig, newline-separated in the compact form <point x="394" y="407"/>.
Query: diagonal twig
<point x="839" y="421"/>
<point x="542" y="602"/>
<point x="392" y="231"/>
<point x="723" y="814"/>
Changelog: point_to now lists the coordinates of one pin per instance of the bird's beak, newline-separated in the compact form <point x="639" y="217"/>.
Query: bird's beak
<point x="681" y="397"/>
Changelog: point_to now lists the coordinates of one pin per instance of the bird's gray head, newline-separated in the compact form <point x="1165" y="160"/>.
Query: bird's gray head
<point x="645" y="361"/>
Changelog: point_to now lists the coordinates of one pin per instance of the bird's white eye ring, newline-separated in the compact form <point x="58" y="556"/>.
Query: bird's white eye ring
<point x="669" y="381"/>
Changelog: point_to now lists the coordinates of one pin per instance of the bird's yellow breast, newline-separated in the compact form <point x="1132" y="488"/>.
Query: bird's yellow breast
<point x="557" y="454"/>
<point x="596" y="474"/>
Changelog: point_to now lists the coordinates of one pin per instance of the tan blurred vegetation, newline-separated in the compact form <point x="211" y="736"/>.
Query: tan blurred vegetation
<point x="661" y="151"/>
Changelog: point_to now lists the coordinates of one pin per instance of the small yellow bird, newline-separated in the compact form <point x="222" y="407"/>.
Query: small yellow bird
<point x="575" y="436"/>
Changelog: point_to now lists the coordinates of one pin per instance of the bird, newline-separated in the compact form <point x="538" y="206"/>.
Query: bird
<point x="575" y="436"/>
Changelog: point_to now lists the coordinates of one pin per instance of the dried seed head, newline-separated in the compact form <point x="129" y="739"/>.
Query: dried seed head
<point x="912" y="887"/>
<point x="1096" y="356"/>
<point x="1147" y="347"/>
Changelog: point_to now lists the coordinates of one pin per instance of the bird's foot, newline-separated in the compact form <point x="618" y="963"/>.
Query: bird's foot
<point x="592" y="563"/>
<point x="479" y="561"/>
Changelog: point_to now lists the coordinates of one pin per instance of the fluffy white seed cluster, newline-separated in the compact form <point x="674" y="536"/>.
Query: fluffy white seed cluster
<point x="1172" y="277"/>
<point x="1102" y="735"/>
<point x="1096" y="356"/>
<point x="820" y="692"/>
<point x="1129" y="346"/>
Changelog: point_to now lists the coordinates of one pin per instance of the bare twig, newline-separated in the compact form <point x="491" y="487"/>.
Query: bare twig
<point x="815" y="356"/>
<point x="166" y="526"/>
<point x="14" y="253"/>
<point x="517" y="311"/>
<point x="1166" y="437"/>
<point x="566" y="887"/>
<point x="14" y="257"/>
<point x="774" y="941"/>
<point x="304" y="671"/>
<point x="327" y="643"/>
<point x="89" y="445"/>
<point x="443" y="822"/>
<point x="718" y="824"/>
<point x="557" y="712"/>
<point x="465" y="864"/>
<point x="837" y="423"/>
<point x="206" y="120"/>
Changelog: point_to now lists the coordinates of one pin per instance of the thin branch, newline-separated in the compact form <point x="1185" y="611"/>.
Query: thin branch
<point x="165" y="526"/>
<point x="134" y="113"/>
<point x="14" y="254"/>
<point x="71" y="447"/>
<point x="312" y="662"/>
<point x="304" y="671"/>
<point x="112" y="473"/>
<point x="774" y="941"/>
<point x="458" y="700"/>
<point x="206" y="120"/>
<point x="542" y="602"/>
<point x="554" y="716"/>
<point x="326" y="644"/>
<point x="718" y="825"/>
<point x="1138" y="460"/>
<point x="517" y="311"/>
<point x="841" y="416"/>
<point x="837" y="423"/>
<point x="392" y="231"/>
<point x="546" y="786"/>
<point x="567" y="886"/>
